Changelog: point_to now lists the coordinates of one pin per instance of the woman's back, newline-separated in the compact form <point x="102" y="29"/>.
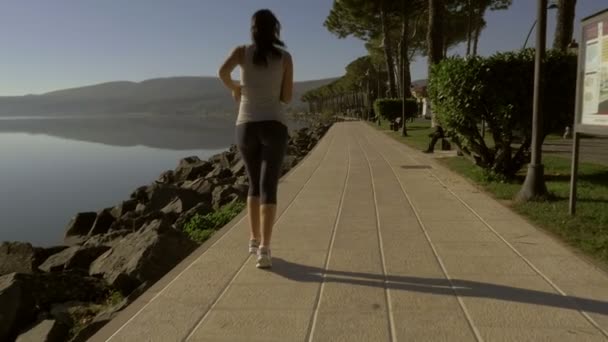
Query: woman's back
<point x="261" y="88"/>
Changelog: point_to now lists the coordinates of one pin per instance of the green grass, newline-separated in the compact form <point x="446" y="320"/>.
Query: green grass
<point x="201" y="227"/>
<point x="418" y="133"/>
<point x="588" y="230"/>
<point x="114" y="298"/>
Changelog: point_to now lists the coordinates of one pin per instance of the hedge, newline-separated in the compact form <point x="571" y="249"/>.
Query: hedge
<point x="391" y="109"/>
<point x="499" y="90"/>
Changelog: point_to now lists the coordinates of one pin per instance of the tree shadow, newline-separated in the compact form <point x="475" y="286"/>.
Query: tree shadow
<point x="596" y="178"/>
<point x="460" y="287"/>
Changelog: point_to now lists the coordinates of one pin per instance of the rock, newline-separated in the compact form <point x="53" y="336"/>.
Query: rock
<point x="75" y="257"/>
<point x="238" y="169"/>
<point x="17" y="257"/>
<point x="109" y="239"/>
<point x="176" y="206"/>
<point x="103" y="222"/>
<point x="223" y="195"/>
<point x="288" y="163"/>
<point x="15" y="307"/>
<point x="161" y="195"/>
<point x="242" y="180"/>
<point x="143" y="220"/>
<point x="79" y="227"/>
<point x="166" y="177"/>
<point x="88" y="331"/>
<point x="124" y="208"/>
<point x="75" y="314"/>
<point x="142" y="256"/>
<point x="140" y="208"/>
<point x="222" y="159"/>
<point x="124" y="223"/>
<point x="85" y="314"/>
<point x="101" y="319"/>
<point x="202" y="208"/>
<point x="23" y="295"/>
<point x="141" y="194"/>
<point x="42" y="254"/>
<point x="241" y="190"/>
<point x="65" y="312"/>
<point x="201" y="185"/>
<point x="191" y="168"/>
<point x="220" y="172"/>
<point x="45" y="331"/>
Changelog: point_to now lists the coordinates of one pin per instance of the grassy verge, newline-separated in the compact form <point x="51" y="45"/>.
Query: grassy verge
<point x="587" y="231"/>
<point x="201" y="227"/>
<point x="418" y="133"/>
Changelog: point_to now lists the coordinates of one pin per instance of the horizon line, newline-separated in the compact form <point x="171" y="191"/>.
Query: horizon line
<point x="141" y="81"/>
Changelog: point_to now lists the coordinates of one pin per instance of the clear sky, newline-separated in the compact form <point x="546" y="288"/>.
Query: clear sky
<point x="55" y="44"/>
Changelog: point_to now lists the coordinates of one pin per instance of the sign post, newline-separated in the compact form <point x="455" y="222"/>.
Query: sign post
<point x="591" y="90"/>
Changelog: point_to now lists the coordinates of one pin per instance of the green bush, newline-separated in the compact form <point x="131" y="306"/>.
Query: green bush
<point x="391" y="109"/>
<point x="201" y="227"/>
<point x="499" y="90"/>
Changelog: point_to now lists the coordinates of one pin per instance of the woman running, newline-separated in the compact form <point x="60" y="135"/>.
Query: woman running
<point x="261" y="131"/>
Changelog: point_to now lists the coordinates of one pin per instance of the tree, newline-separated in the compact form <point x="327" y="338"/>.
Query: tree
<point x="474" y="11"/>
<point x="365" y="19"/>
<point x="565" y="23"/>
<point x="435" y="32"/>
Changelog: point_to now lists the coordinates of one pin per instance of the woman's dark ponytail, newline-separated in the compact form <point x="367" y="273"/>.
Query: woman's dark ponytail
<point x="265" y="32"/>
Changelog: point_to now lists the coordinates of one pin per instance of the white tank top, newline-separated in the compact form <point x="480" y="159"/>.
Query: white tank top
<point x="261" y="90"/>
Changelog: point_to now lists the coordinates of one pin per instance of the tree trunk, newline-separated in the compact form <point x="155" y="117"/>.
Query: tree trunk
<point x="470" y="14"/>
<point x="388" y="52"/>
<point x="406" y="73"/>
<point x="565" y="24"/>
<point x="435" y="32"/>
<point x="480" y="12"/>
<point x="406" y="77"/>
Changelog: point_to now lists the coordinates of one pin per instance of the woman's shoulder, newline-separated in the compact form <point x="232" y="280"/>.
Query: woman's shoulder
<point x="285" y="55"/>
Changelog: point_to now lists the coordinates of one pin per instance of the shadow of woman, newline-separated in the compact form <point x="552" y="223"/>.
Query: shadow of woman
<point x="460" y="287"/>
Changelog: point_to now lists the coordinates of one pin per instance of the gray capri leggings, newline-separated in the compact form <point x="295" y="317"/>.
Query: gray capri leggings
<point x="262" y="146"/>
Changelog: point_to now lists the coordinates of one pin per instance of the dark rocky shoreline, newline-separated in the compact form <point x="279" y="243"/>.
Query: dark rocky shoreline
<point x="110" y="257"/>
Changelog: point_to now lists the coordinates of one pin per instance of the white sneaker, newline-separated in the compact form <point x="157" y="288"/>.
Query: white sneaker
<point x="254" y="245"/>
<point x="264" y="258"/>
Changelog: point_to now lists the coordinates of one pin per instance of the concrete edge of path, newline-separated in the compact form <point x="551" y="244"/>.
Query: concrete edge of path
<point x="132" y="309"/>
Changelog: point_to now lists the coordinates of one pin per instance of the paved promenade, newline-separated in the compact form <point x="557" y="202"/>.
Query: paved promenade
<point x="376" y="242"/>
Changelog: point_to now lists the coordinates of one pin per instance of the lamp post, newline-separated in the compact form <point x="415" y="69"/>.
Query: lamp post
<point x="553" y="5"/>
<point x="534" y="185"/>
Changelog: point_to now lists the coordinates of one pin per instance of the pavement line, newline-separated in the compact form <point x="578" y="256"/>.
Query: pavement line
<point x="439" y="260"/>
<point x="215" y="243"/>
<point x="391" y="319"/>
<point x="214" y="304"/>
<point x="528" y="262"/>
<point x="315" y="314"/>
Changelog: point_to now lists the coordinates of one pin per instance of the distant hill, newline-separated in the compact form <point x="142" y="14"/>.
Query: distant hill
<point x="173" y="95"/>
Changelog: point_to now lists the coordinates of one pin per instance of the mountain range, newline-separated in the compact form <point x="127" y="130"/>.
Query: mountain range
<point x="173" y="95"/>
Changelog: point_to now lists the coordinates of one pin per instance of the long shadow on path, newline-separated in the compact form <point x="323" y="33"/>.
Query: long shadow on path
<point x="463" y="288"/>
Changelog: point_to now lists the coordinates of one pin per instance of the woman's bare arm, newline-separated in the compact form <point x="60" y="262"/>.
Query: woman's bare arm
<point x="235" y="58"/>
<point x="287" y="86"/>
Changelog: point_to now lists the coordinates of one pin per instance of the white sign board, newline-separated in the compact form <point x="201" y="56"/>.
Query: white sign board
<point x="594" y="111"/>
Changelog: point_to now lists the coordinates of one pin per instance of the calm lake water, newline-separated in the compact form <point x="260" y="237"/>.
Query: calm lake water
<point x="53" y="169"/>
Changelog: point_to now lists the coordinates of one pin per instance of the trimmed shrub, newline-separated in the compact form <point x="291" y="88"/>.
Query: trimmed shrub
<point x="391" y="109"/>
<point x="499" y="90"/>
